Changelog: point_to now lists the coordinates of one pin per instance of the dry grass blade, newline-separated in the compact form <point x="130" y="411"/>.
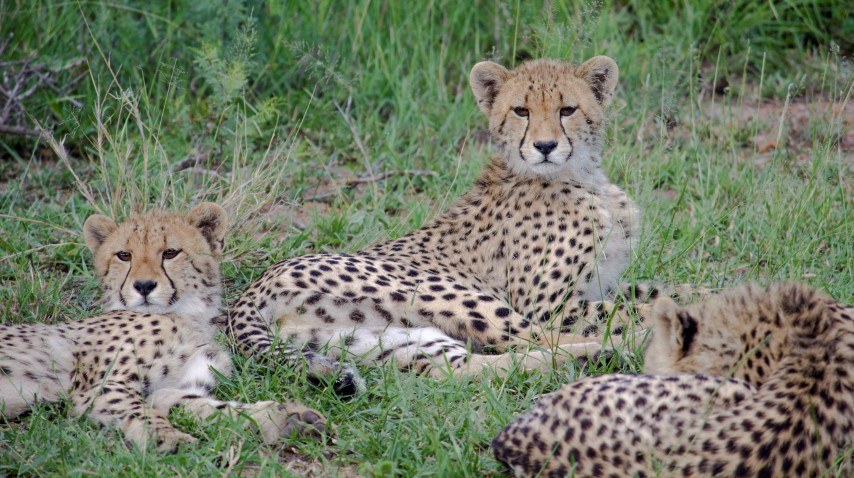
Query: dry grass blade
<point x="59" y="149"/>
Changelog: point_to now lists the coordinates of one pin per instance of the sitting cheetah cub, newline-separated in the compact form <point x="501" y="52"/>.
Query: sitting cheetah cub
<point x="760" y="383"/>
<point x="154" y="350"/>
<point x="524" y="258"/>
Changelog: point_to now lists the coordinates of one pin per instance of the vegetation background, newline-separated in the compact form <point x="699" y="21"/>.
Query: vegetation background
<point x="327" y="125"/>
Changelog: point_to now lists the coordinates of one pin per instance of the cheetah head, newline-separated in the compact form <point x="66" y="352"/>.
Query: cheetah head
<point x="160" y="262"/>
<point x="747" y="333"/>
<point x="547" y="116"/>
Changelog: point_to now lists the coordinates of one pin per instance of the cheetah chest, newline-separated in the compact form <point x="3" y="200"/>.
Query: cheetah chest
<point x="573" y="239"/>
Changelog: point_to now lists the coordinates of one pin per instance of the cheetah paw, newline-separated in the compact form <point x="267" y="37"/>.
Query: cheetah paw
<point x="170" y="439"/>
<point x="277" y="421"/>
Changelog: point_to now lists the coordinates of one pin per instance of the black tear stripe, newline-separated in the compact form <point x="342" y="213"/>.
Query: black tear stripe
<point x="503" y="121"/>
<point x="522" y="141"/>
<point x="174" y="298"/>
<point x="122" y="299"/>
<point x="571" y="147"/>
<point x="527" y="124"/>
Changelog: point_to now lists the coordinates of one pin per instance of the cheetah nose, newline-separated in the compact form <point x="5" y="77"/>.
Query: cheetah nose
<point x="545" y="147"/>
<point x="144" y="287"/>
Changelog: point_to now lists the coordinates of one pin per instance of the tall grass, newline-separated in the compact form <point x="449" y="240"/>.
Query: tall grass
<point x="272" y="108"/>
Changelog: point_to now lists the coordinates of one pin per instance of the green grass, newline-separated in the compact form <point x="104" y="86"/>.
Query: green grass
<point x="280" y="103"/>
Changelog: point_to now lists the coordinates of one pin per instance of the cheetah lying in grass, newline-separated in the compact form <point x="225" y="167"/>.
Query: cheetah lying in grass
<point x="525" y="258"/>
<point x="154" y="349"/>
<point x="759" y="382"/>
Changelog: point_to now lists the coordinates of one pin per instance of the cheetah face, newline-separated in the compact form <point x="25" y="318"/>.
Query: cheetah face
<point x="742" y="333"/>
<point x="160" y="263"/>
<point x="546" y="116"/>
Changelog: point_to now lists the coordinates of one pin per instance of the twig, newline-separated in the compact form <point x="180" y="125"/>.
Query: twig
<point x="5" y="42"/>
<point x="21" y="79"/>
<point x="40" y="67"/>
<point x="345" y="115"/>
<point x="18" y="130"/>
<point x="325" y="197"/>
<point x="388" y="174"/>
<point x="352" y="182"/>
<point x="42" y="223"/>
<point x="196" y="169"/>
<point x="59" y="148"/>
<point x="192" y="160"/>
<point x="37" y="248"/>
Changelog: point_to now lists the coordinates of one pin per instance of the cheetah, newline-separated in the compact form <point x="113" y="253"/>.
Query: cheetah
<point x="528" y="257"/>
<point x="757" y="382"/>
<point x="154" y="348"/>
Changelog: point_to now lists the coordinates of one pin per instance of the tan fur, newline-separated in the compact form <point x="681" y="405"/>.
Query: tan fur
<point x="544" y="88"/>
<point x="524" y="258"/>
<point x="758" y="382"/>
<point x="154" y="350"/>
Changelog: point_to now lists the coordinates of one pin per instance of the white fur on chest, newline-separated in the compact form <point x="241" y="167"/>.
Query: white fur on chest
<point x="611" y="256"/>
<point x="619" y="221"/>
<point x="190" y="357"/>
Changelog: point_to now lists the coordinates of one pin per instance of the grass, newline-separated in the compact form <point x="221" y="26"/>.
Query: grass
<point x="729" y="130"/>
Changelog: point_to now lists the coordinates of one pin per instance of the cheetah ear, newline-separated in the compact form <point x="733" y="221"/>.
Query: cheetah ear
<point x="211" y="220"/>
<point x="601" y="73"/>
<point x="96" y="230"/>
<point x="667" y="327"/>
<point x="486" y="79"/>
<point x="805" y="307"/>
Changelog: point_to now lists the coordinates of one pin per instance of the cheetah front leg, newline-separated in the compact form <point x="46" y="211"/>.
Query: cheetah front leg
<point x="645" y="293"/>
<point x="272" y="419"/>
<point x="120" y="405"/>
<point x="429" y="351"/>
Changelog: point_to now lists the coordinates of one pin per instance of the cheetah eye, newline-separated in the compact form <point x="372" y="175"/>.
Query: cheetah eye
<point x="170" y="253"/>
<point x="523" y="112"/>
<point x="123" y="256"/>
<point x="567" y="110"/>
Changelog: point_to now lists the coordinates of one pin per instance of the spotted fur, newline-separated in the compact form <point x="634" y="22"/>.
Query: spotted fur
<point x="756" y="382"/>
<point x="526" y="257"/>
<point x="154" y="348"/>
